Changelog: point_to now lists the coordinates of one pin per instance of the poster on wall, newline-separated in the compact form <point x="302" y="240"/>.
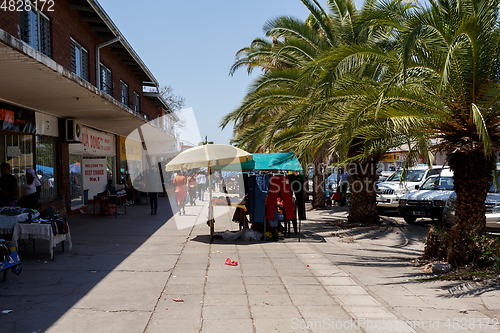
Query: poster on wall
<point x="14" y="118"/>
<point x="94" y="175"/>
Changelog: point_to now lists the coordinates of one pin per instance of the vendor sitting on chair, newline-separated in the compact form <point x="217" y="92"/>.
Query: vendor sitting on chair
<point x="32" y="188"/>
<point x="110" y="188"/>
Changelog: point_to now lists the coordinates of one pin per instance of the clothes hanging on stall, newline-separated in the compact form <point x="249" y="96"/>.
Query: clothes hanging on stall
<point x="297" y="187"/>
<point x="280" y="184"/>
<point x="258" y="187"/>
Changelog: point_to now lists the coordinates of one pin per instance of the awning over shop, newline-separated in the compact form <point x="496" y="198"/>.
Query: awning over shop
<point x="266" y="161"/>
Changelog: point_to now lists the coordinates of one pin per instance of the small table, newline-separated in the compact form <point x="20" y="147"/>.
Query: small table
<point x="40" y="231"/>
<point x="7" y="222"/>
<point x="117" y="198"/>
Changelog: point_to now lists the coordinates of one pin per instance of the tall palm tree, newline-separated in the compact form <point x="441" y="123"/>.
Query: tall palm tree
<point x="451" y="51"/>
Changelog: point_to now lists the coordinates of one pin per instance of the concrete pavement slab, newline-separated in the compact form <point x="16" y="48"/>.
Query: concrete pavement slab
<point x="265" y="280"/>
<point x="227" y="325"/>
<point x="218" y="299"/>
<point x="100" y="322"/>
<point x="188" y="289"/>
<point x="321" y="312"/>
<point x="330" y="280"/>
<point x="225" y="289"/>
<point x="368" y="311"/>
<point x="274" y="311"/>
<point x="122" y="291"/>
<point x="190" y="308"/>
<point x="262" y="289"/>
<point x="269" y="300"/>
<point x="223" y="312"/>
<point x="316" y="300"/>
<point x="173" y="325"/>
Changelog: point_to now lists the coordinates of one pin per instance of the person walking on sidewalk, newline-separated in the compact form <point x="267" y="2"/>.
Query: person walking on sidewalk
<point x="154" y="186"/>
<point x="202" y="181"/>
<point x="180" y="192"/>
<point x="192" y="185"/>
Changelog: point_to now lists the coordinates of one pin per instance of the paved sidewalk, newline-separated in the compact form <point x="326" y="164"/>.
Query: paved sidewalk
<point x="123" y="274"/>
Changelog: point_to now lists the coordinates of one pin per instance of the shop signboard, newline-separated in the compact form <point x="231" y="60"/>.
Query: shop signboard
<point x="130" y="149"/>
<point x="94" y="143"/>
<point x="17" y="119"/>
<point x="94" y="175"/>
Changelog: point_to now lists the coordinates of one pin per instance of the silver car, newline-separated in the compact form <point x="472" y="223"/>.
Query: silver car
<point x="492" y="210"/>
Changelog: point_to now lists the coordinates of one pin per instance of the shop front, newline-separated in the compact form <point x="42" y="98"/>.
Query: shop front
<point x="91" y="163"/>
<point x="131" y="163"/>
<point x="29" y="140"/>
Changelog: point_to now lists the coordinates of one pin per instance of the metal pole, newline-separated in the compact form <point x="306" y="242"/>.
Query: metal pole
<point x="98" y="60"/>
<point x="210" y="208"/>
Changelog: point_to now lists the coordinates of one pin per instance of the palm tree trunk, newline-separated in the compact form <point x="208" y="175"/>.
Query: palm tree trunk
<point x="319" y="181"/>
<point x="363" y="179"/>
<point x="472" y="177"/>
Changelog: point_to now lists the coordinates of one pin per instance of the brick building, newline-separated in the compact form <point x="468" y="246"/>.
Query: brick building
<point x="72" y="90"/>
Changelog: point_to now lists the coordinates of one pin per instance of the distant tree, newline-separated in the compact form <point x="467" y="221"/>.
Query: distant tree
<point x="174" y="102"/>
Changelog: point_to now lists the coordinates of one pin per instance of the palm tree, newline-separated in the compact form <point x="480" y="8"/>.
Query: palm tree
<point x="451" y="53"/>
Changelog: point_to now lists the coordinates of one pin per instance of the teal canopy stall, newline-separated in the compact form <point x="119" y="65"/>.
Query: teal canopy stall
<point x="266" y="162"/>
<point x="271" y="162"/>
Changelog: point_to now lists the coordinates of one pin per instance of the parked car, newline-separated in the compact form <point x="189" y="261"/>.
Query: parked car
<point x="390" y="190"/>
<point x="492" y="210"/>
<point x="429" y="199"/>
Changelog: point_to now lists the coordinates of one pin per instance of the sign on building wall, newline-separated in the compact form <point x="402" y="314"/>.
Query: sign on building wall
<point x="94" y="175"/>
<point x="46" y="125"/>
<point x="94" y="143"/>
<point x="130" y="149"/>
<point x="14" y="118"/>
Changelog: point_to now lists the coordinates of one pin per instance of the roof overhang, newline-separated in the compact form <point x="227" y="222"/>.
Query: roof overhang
<point x="32" y="80"/>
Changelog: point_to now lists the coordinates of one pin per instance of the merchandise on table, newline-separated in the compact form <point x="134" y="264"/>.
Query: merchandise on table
<point x="223" y="201"/>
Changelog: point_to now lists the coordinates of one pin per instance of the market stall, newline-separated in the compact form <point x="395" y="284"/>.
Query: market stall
<point x="210" y="156"/>
<point x="268" y="179"/>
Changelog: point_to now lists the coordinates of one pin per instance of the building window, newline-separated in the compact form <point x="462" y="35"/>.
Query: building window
<point x="137" y="102"/>
<point x="35" y="29"/>
<point x="106" y="81"/>
<point x="79" y="60"/>
<point x="124" y="93"/>
<point x="46" y="166"/>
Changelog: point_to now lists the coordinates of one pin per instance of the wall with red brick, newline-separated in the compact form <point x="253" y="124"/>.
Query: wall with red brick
<point x="65" y="24"/>
<point x="9" y="21"/>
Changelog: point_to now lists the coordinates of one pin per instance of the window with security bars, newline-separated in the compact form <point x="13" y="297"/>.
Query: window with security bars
<point x="124" y="93"/>
<point x="137" y="102"/>
<point x="79" y="60"/>
<point x="45" y="166"/>
<point x="34" y="28"/>
<point x="106" y="81"/>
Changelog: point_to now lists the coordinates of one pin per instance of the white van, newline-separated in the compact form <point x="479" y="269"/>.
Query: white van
<point x="390" y="190"/>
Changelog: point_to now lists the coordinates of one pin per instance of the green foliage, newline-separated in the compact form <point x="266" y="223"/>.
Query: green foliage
<point x="484" y="250"/>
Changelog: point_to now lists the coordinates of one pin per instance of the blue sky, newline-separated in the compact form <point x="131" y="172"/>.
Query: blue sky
<point x="190" y="45"/>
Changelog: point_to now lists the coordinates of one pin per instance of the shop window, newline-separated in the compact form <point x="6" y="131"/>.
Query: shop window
<point x="75" y="179"/>
<point x="79" y="60"/>
<point x="35" y="28"/>
<point x="110" y="167"/>
<point x="46" y="166"/>
<point x="137" y="102"/>
<point x="17" y="151"/>
<point x="106" y="80"/>
<point x="124" y="93"/>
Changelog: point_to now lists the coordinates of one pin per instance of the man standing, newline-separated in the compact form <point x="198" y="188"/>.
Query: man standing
<point x="153" y="186"/>
<point x="343" y="180"/>
<point x="180" y="192"/>
<point x="192" y="185"/>
<point x="202" y="181"/>
<point x="8" y="186"/>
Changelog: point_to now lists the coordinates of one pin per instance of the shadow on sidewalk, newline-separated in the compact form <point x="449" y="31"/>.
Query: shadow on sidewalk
<point x="46" y="289"/>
